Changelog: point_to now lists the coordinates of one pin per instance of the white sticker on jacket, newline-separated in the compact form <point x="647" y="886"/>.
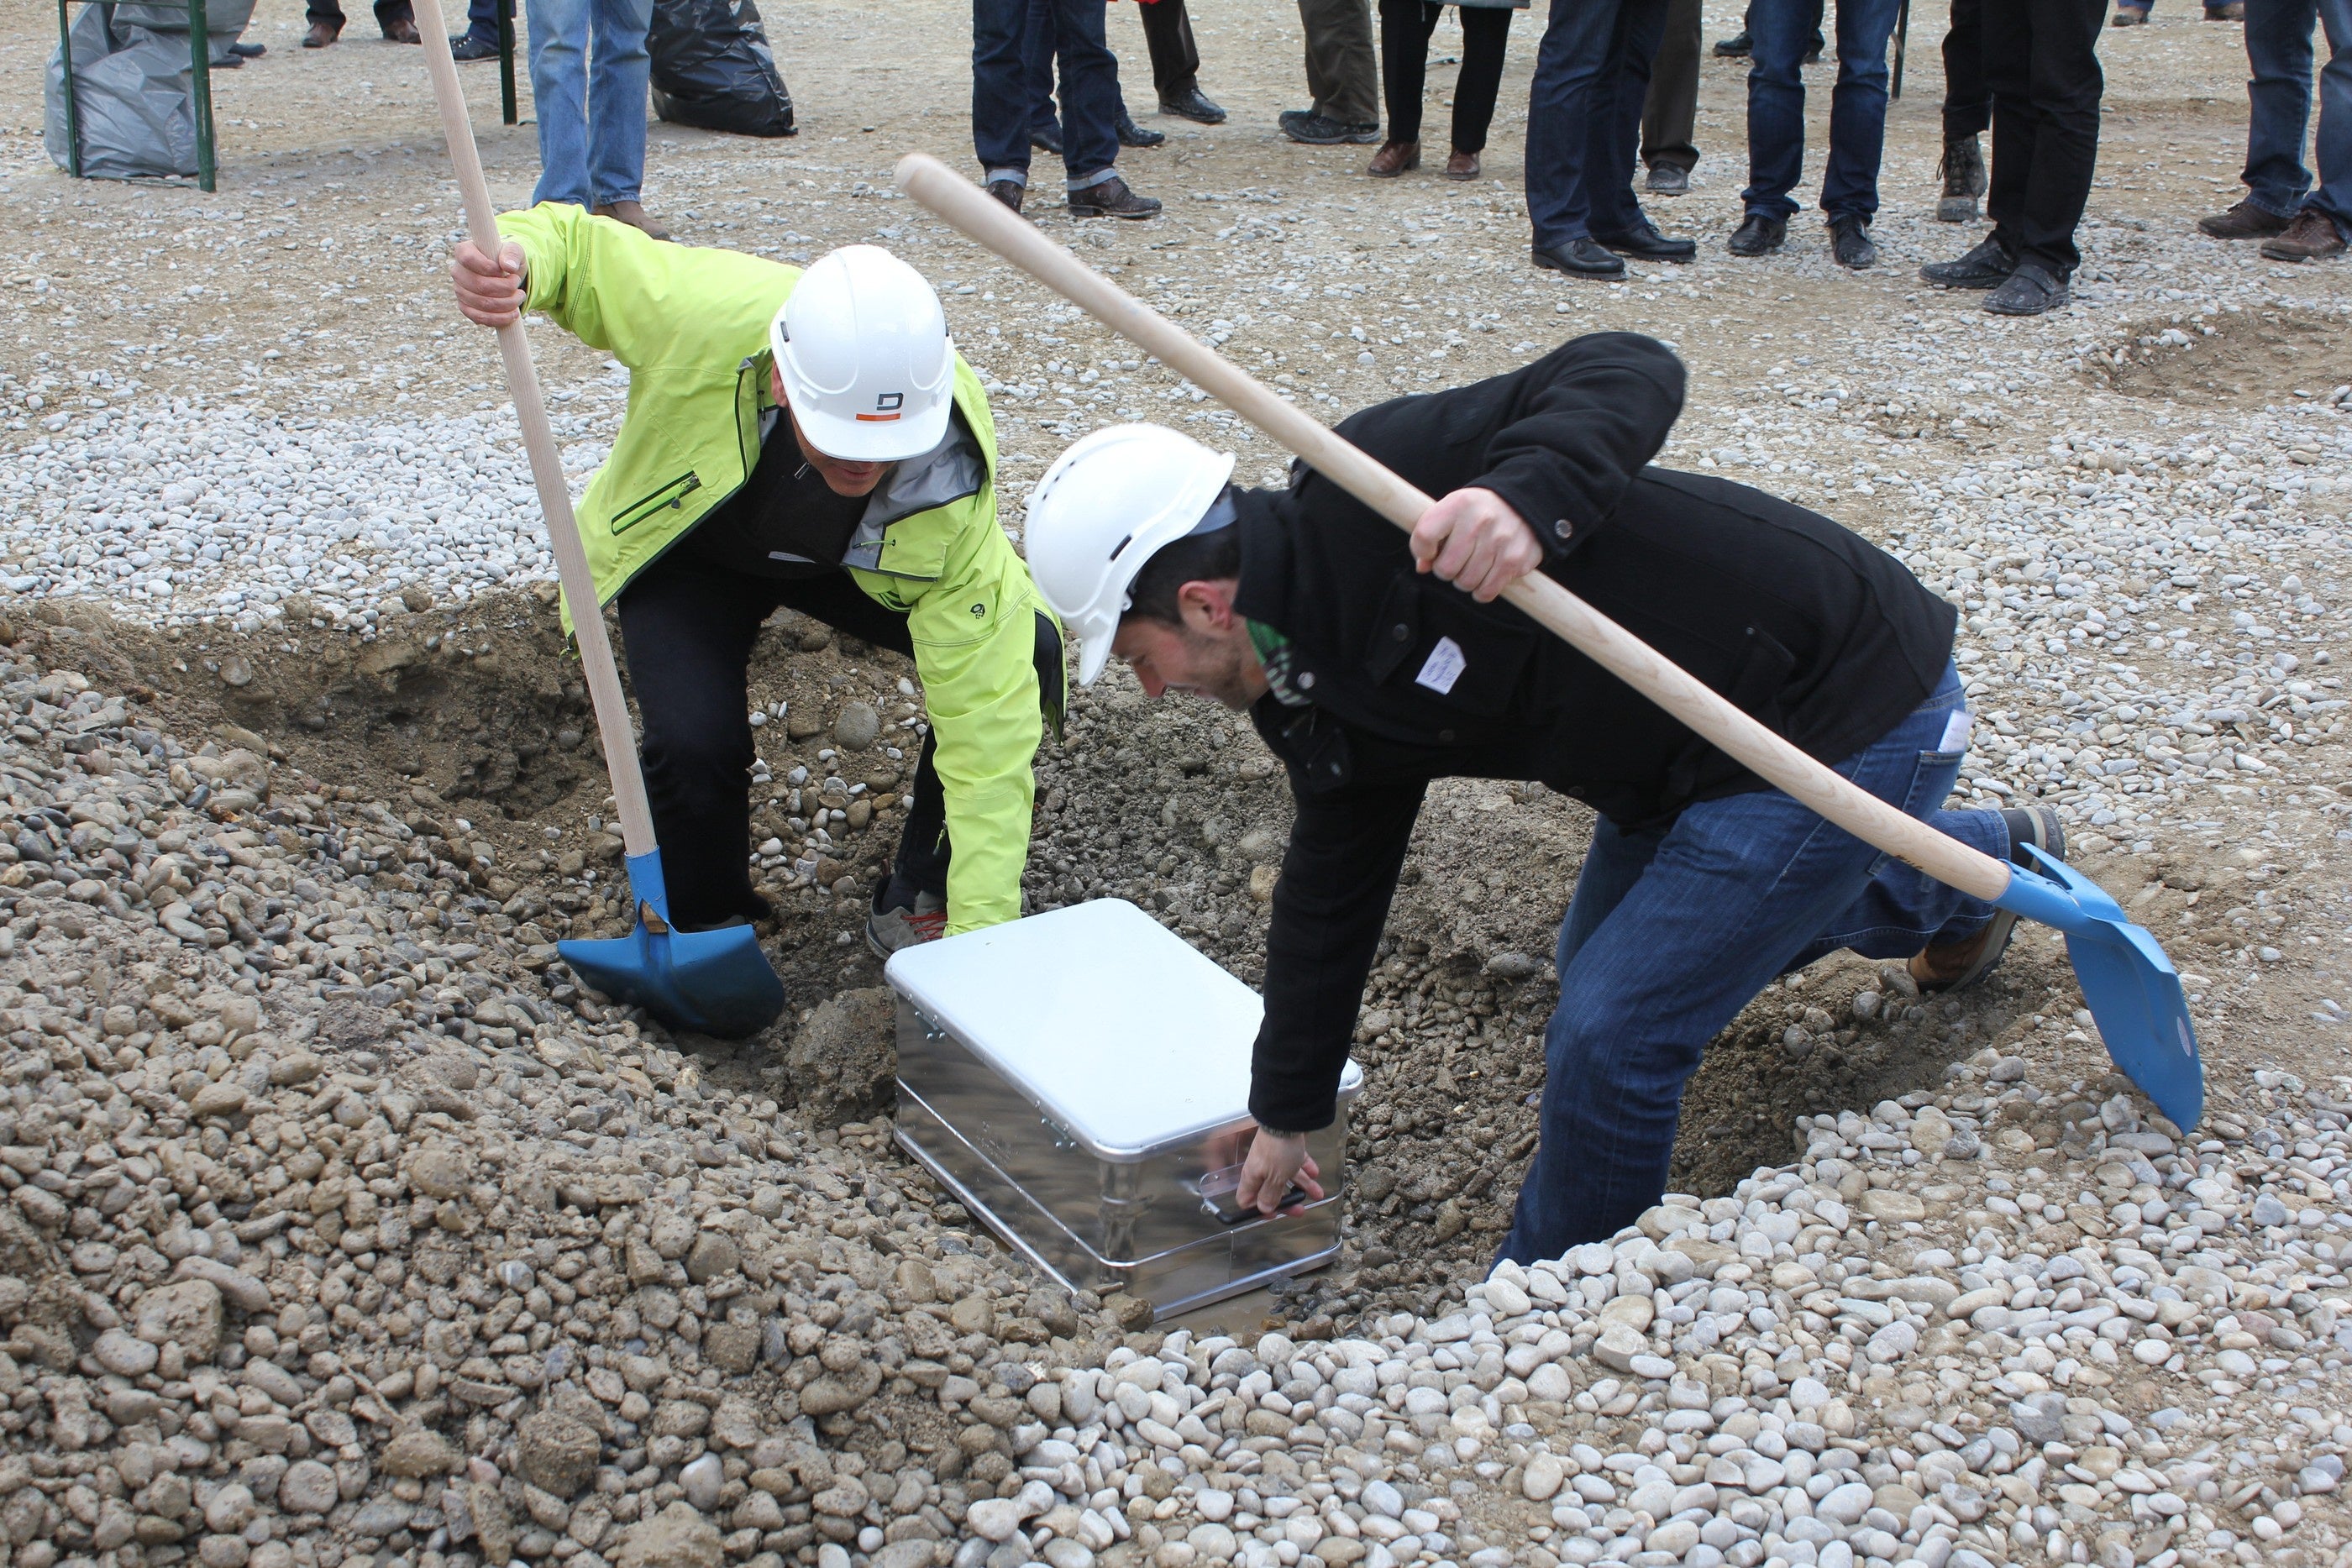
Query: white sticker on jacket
<point x="1443" y="668"/>
<point x="1955" y="731"/>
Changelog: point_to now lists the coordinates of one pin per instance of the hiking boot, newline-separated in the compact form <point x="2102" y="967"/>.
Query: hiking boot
<point x="468" y="47"/>
<point x="1189" y="102"/>
<point x="1111" y="199"/>
<point x="1759" y="233"/>
<point x="1393" y="159"/>
<point x="1963" y="173"/>
<point x="1954" y="964"/>
<point x="1986" y="267"/>
<point x="2245" y="221"/>
<point x="322" y="36"/>
<point x="888" y="930"/>
<point x="2313" y="236"/>
<point x="1321" y="130"/>
<point x="1131" y="134"/>
<point x="1009" y="192"/>
<point x="635" y="216"/>
<point x="1461" y="165"/>
<point x="1850" y="242"/>
<point x="2032" y="290"/>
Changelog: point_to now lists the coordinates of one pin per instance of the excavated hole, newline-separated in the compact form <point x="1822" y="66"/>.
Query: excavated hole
<point x="1178" y="808"/>
<point x="2241" y="357"/>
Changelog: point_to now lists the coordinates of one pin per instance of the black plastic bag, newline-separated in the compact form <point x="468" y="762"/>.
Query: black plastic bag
<point x="712" y="69"/>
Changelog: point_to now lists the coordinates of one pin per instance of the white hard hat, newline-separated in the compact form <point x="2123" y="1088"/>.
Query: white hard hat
<point x="1106" y="506"/>
<point x="863" y="349"/>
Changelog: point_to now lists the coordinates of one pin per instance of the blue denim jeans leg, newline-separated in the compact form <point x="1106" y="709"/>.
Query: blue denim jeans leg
<point x="588" y="74"/>
<point x="482" y="22"/>
<point x="1584" y="117"/>
<point x="1782" y="31"/>
<point x="1004" y="89"/>
<point x="1672" y="931"/>
<point x="2279" y="53"/>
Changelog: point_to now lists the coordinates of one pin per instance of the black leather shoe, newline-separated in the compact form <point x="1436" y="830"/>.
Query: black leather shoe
<point x="1987" y="266"/>
<point x="1047" y="139"/>
<point x="1321" y="130"/>
<point x="1009" y="192"/>
<point x="1758" y="235"/>
<point x="465" y="46"/>
<point x="1668" y="180"/>
<point x="2029" y="290"/>
<point x="1850" y="242"/>
<point x="1648" y="244"/>
<point x="1736" y="47"/>
<point x="1189" y="102"/>
<point x="1112" y="199"/>
<point x="249" y="51"/>
<point x="1131" y="134"/>
<point x="1583" y="257"/>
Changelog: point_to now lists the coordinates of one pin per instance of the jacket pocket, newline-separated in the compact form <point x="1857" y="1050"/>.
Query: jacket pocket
<point x="673" y="493"/>
<point x="1433" y="644"/>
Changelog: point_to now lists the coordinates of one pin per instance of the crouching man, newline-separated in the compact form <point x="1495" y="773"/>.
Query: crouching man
<point x="1372" y="662"/>
<point x="803" y="440"/>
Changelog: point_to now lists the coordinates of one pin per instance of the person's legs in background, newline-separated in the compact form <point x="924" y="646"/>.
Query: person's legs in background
<point x="2323" y="224"/>
<point x="1670" y="113"/>
<point x="2042" y="57"/>
<point x="1618" y="221"/>
<point x="1485" y="39"/>
<point x="1342" y="74"/>
<point x="1968" y="113"/>
<point x="1037" y="49"/>
<point x="618" y="72"/>
<point x="1089" y="75"/>
<point x="1857" y="127"/>
<point x="1176" y="61"/>
<point x="1001" y="97"/>
<point x="326" y="19"/>
<point x="1405" y="30"/>
<point x="1776" y="31"/>
<point x="479" y="41"/>
<point x="559" y="90"/>
<point x="1567" y="148"/>
<point x="397" y="18"/>
<point x="2278" y="94"/>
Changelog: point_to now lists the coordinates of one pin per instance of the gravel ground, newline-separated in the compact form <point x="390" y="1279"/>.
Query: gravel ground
<point x="342" y="1230"/>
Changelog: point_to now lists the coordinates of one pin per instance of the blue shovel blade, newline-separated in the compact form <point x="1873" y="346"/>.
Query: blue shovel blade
<point x="713" y="982"/>
<point x="2131" y="987"/>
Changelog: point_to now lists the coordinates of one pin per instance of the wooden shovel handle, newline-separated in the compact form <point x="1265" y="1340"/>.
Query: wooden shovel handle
<point x="613" y="723"/>
<point x="982" y="217"/>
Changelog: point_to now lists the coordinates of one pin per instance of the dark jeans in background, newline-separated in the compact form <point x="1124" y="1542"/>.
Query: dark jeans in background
<point x="387" y="12"/>
<point x="1670" y="112"/>
<point x="1782" y="31"/>
<point x="688" y="631"/>
<point x="1341" y="71"/>
<point x="1002" y="91"/>
<point x="2042" y="58"/>
<point x="2279" y="51"/>
<point x="482" y="22"/>
<point x="1968" y="95"/>
<point x="1584" y="118"/>
<point x="1672" y="931"/>
<point x="1405" y="28"/>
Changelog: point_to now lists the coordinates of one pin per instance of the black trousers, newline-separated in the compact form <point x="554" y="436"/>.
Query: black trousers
<point x="1405" y="30"/>
<point x="1168" y="35"/>
<point x="387" y="12"/>
<point x="689" y="629"/>
<point x="2042" y="61"/>
<point x="1968" y="98"/>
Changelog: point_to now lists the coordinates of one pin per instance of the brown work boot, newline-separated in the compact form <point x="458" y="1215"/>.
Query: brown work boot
<point x="2245" y="221"/>
<point x="1952" y="964"/>
<point x="1009" y="192"/>
<point x="1393" y="159"/>
<point x="2313" y="236"/>
<point x="1461" y="165"/>
<point x="633" y="214"/>
<point x="322" y="36"/>
<point x="401" y="32"/>
<point x="1111" y="198"/>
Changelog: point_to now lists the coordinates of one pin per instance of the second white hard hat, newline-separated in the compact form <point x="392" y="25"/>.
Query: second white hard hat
<point x="862" y="347"/>
<point x="1104" y="508"/>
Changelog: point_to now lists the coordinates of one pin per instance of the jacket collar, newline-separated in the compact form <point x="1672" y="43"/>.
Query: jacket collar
<point x="1263" y="595"/>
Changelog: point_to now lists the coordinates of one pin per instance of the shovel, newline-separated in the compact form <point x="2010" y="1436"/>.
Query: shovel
<point x="716" y="982"/>
<point x="2132" y="989"/>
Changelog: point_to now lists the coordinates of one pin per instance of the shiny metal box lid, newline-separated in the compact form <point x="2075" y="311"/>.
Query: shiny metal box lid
<point x="1107" y="1021"/>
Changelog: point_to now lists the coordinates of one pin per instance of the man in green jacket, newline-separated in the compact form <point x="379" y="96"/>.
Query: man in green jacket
<point x="807" y="440"/>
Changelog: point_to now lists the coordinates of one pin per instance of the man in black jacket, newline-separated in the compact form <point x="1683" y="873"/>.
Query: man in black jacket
<point x="1372" y="662"/>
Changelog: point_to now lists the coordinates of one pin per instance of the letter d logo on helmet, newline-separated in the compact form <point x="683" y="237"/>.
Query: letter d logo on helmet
<point x="862" y="348"/>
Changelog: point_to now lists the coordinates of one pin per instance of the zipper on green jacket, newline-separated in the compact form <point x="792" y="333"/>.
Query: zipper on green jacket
<point x="673" y="493"/>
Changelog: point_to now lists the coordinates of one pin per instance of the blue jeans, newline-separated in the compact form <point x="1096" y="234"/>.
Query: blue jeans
<point x="588" y="74"/>
<point x="482" y="22"/>
<point x="1002" y="91"/>
<point x="1782" y="31"/>
<point x="1584" y="118"/>
<point x="2278" y="49"/>
<point x="1673" y="930"/>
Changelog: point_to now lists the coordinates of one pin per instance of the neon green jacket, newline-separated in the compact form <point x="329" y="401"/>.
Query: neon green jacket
<point x="692" y="325"/>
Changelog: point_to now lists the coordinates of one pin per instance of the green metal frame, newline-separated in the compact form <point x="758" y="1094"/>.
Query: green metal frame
<point x="200" y="68"/>
<point x="505" y="61"/>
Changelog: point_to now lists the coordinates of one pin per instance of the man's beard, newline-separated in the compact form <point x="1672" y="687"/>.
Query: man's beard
<point x="1221" y="670"/>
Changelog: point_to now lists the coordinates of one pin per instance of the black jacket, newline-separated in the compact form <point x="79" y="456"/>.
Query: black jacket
<point x="1811" y="629"/>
